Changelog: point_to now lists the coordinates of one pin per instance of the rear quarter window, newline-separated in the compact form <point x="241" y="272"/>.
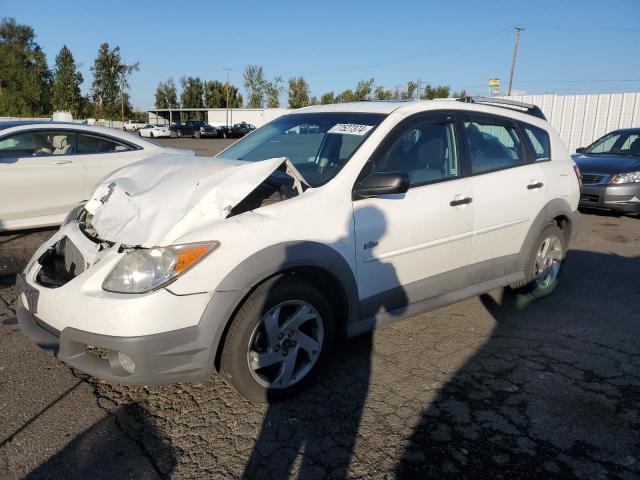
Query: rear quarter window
<point x="539" y="142"/>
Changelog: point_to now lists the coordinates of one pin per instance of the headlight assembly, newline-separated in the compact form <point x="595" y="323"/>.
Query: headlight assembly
<point x="631" y="177"/>
<point x="144" y="270"/>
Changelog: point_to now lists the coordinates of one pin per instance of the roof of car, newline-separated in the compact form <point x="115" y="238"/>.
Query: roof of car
<point x="19" y="123"/>
<point x="628" y="130"/>
<point x="357" y="107"/>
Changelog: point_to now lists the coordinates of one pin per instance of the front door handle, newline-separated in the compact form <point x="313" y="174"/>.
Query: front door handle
<point x="460" y="201"/>
<point x="61" y="162"/>
<point x="533" y="186"/>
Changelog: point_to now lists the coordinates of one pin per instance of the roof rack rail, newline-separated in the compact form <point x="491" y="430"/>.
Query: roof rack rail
<point x="505" y="103"/>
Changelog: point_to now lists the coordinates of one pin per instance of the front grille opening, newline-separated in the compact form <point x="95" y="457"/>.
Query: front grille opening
<point x="60" y="264"/>
<point x="588" y="179"/>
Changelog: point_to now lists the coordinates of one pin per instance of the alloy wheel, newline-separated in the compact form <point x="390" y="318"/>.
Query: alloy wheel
<point x="286" y="344"/>
<point x="547" y="261"/>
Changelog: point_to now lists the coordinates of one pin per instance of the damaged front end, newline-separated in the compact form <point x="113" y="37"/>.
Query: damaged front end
<point x="138" y="209"/>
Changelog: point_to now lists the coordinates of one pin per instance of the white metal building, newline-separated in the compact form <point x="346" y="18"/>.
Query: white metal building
<point x="581" y="119"/>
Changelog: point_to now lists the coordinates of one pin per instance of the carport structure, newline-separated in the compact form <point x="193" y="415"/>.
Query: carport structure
<point x="168" y="116"/>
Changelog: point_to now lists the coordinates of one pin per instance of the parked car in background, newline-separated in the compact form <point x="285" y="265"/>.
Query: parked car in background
<point x="241" y="129"/>
<point x="252" y="263"/>
<point x="132" y="125"/>
<point x="223" y="131"/>
<point x="610" y="169"/>
<point x="193" y="128"/>
<point x="48" y="168"/>
<point x="155" y="131"/>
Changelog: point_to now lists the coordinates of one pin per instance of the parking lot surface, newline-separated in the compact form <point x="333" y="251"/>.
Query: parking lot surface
<point x="492" y="387"/>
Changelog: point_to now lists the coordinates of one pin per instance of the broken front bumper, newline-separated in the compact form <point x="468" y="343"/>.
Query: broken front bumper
<point x="176" y="356"/>
<point x="156" y="337"/>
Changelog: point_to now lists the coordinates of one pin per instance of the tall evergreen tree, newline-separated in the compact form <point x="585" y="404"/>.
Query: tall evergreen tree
<point x="25" y="78"/>
<point x="166" y="95"/>
<point x="66" y="84"/>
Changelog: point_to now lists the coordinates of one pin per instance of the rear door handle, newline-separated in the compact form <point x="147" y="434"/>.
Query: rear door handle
<point x="533" y="186"/>
<point x="460" y="201"/>
<point x="61" y="162"/>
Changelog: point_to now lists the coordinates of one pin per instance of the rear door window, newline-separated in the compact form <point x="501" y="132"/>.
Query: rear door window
<point x="493" y="145"/>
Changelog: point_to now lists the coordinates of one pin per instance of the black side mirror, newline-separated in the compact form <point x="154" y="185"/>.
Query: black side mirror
<point x="580" y="150"/>
<point x="382" y="183"/>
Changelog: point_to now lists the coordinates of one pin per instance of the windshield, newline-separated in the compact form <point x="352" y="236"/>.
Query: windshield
<point x="318" y="144"/>
<point x="616" y="143"/>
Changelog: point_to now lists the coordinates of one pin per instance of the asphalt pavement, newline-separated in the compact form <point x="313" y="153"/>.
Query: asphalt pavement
<point x="492" y="387"/>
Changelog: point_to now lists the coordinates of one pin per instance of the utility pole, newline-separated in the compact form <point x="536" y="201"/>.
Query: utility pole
<point x="227" y="69"/>
<point x="122" y="98"/>
<point x="513" y="60"/>
<point x="418" y="91"/>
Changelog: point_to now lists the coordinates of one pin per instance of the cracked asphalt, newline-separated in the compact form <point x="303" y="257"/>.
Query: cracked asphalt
<point x="492" y="387"/>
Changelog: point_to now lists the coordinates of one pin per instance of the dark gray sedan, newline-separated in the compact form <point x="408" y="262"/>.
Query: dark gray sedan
<point x="610" y="169"/>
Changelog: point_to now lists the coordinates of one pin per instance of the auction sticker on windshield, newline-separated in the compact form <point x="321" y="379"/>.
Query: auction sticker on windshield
<point x="350" y="129"/>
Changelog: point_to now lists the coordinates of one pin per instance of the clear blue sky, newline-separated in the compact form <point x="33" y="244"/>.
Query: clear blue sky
<point x="579" y="46"/>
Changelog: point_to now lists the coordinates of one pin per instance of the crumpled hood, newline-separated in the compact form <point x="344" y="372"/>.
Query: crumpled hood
<point x="159" y="199"/>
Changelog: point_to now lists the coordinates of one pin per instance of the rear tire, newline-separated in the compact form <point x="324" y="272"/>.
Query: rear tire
<point x="278" y="339"/>
<point x="544" y="265"/>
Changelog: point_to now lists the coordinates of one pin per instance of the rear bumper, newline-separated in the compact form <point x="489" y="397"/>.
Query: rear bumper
<point x="620" y="198"/>
<point x="183" y="355"/>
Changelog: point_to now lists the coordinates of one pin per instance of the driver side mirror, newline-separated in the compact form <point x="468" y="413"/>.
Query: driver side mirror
<point x="382" y="183"/>
<point x="580" y="150"/>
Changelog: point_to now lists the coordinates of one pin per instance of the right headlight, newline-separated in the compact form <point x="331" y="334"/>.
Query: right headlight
<point x="631" y="177"/>
<point x="143" y="270"/>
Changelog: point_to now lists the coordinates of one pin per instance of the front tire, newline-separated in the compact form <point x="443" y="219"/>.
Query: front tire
<point x="279" y="338"/>
<point x="545" y="263"/>
<point x="151" y="134"/>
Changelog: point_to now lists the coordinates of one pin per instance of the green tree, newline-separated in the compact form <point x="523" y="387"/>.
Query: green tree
<point x="192" y="92"/>
<point x="215" y="95"/>
<point x="441" y="91"/>
<point x="66" y="84"/>
<point x="382" y="93"/>
<point x="405" y="92"/>
<point x="460" y="94"/>
<point x="166" y="95"/>
<point x="256" y="85"/>
<point x="273" y="91"/>
<point x="328" y="97"/>
<point x="25" y="78"/>
<point x="361" y="93"/>
<point x="298" y="92"/>
<point x="110" y="82"/>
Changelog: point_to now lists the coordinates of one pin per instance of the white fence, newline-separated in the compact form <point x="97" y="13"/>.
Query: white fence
<point x="581" y="119"/>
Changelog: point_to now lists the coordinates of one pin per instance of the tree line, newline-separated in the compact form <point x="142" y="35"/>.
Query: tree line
<point x="29" y="88"/>
<point x="261" y="93"/>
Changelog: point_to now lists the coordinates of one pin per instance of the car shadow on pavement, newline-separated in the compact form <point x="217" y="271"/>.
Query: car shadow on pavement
<point x="553" y="393"/>
<point x="105" y="452"/>
<point x="313" y="434"/>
